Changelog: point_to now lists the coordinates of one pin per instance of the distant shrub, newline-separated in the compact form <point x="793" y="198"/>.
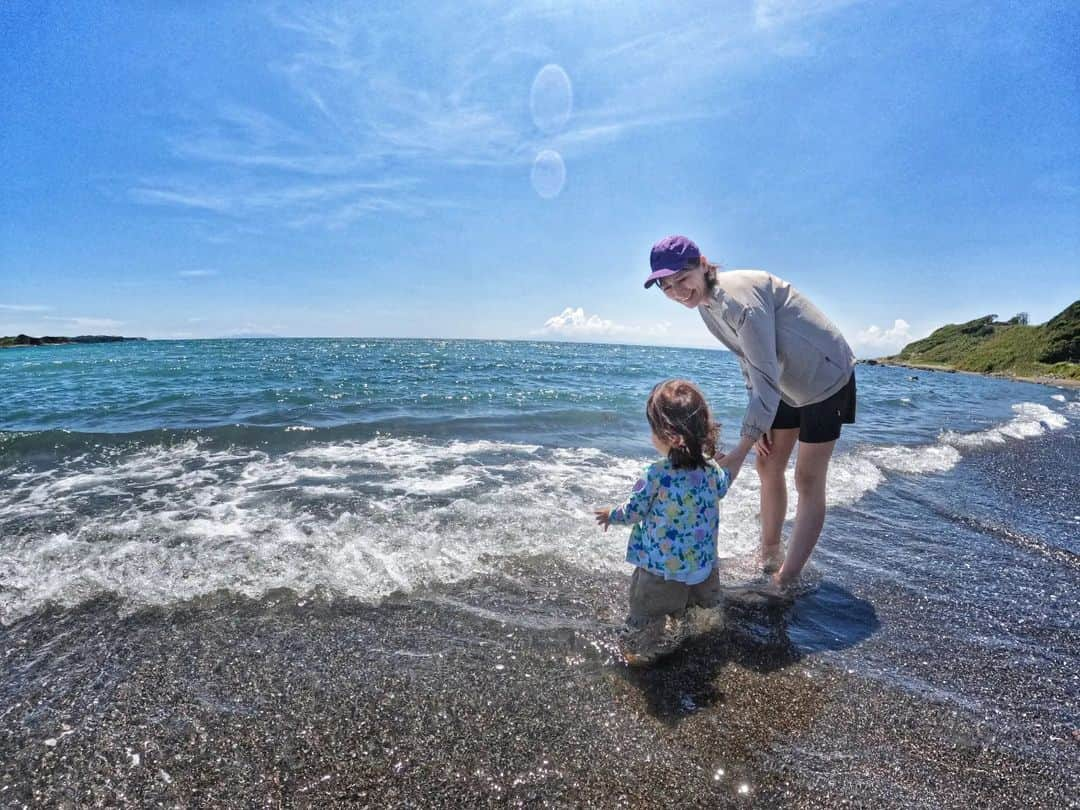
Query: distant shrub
<point x="980" y="327"/>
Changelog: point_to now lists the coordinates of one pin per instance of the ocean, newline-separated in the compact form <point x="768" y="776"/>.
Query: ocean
<point x="348" y="572"/>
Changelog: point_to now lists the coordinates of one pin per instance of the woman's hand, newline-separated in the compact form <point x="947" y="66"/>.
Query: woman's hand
<point x="763" y="446"/>
<point x="603" y="517"/>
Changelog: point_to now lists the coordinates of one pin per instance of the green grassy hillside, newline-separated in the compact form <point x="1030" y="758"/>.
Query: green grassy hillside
<point x="990" y="346"/>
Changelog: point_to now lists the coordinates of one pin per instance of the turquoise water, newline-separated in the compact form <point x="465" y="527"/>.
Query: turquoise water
<point x="162" y="470"/>
<point x="563" y="393"/>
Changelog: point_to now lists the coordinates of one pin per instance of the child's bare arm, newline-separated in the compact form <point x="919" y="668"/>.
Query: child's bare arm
<point x="635" y="507"/>
<point x="733" y="461"/>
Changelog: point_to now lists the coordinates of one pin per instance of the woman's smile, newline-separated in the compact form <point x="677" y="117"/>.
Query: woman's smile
<point x="685" y="296"/>
<point x="686" y="292"/>
<point x="686" y="287"/>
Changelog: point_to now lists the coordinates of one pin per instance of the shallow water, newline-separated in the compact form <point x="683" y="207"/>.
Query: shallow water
<point x="244" y="582"/>
<point x="164" y="470"/>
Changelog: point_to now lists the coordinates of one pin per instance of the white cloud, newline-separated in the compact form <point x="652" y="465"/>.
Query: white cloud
<point x="573" y="323"/>
<point x="24" y="308"/>
<point x="197" y="273"/>
<point x="875" y="340"/>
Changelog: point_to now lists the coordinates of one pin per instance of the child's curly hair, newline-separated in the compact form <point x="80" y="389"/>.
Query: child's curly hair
<point x="678" y="414"/>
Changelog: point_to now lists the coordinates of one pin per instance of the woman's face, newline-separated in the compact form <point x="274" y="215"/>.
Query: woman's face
<point x="687" y="287"/>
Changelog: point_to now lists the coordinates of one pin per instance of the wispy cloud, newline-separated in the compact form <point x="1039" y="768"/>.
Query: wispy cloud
<point x="197" y="273"/>
<point x="773" y="13"/>
<point x="349" y="110"/>
<point x="363" y="77"/>
<point x="283" y="201"/>
<point x="190" y="198"/>
<point x="25" y="308"/>
<point x="249" y="138"/>
<point x="368" y="107"/>
<point x="575" y="324"/>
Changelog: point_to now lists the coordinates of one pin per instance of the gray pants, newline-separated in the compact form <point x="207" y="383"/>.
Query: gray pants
<point x="652" y="596"/>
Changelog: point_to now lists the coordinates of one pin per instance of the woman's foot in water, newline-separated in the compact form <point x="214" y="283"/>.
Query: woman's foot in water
<point x="771" y="558"/>
<point x="764" y="591"/>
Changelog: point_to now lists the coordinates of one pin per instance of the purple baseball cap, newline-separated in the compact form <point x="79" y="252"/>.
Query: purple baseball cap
<point x="670" y="255"/>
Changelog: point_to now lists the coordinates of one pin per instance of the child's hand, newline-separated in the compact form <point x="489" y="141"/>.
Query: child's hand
<point x="733" y="461"/>
<point x="603" y="517"/>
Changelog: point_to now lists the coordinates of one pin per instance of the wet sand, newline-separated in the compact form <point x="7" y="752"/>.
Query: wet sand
<point x="438" y="700"/>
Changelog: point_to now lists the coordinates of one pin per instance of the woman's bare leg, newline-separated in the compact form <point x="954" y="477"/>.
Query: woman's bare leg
<point x="771" y="470"/>
<point x="811" y="471"/>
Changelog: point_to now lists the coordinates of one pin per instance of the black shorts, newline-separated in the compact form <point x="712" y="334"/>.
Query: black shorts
<point x="820" y="422"/>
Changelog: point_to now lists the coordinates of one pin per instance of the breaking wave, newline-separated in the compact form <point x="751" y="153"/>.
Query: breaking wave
<point x="162" y="523"/>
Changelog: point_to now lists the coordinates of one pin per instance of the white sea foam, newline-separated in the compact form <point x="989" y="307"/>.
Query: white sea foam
<point x="1057" y="397"/>
<point x="164" y="524"/>
<point x="934" y="458"/>
<point x="362" y="518"/>
<point x="1031" y="420"/>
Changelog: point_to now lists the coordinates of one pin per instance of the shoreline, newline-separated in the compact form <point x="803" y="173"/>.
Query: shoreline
<point x="1057" y="382"/>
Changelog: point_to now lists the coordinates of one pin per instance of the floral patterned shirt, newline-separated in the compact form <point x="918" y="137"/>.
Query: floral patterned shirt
<point x="675" y="514"/>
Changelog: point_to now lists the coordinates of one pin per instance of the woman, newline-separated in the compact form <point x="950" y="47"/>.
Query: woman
<point x="800" y="375"/>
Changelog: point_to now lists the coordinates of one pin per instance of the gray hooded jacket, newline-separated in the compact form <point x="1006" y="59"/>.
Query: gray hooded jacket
<point x="787" y="348"/>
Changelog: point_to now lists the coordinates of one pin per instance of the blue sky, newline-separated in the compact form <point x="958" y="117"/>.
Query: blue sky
<point x="212" y="169"/>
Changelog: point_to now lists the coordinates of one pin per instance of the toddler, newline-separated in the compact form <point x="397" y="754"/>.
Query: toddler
<point x="675" y="512"/>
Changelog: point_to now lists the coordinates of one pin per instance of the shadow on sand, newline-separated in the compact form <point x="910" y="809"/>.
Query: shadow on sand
<point x="757" y="636"/>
